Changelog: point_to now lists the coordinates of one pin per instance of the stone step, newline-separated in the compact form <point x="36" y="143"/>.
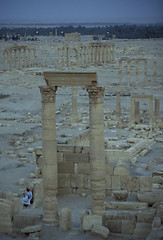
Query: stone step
<point x="126" y="205"/>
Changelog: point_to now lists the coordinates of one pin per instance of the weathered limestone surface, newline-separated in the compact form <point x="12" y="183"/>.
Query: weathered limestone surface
<point x="5" y="216"/>
<point x="31" y="229"/>
<point x="90" y="220"/>
<point x="97" y="156"/>
<point x="50" y="172"/>
<point x="100" y="231"/>
<point x="65" y="219"/>
<point x="150" y="198"/>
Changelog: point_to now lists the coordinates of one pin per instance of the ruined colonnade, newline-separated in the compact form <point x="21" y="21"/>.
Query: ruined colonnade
<point x="97" y="156"/>
<point x="136" y="61"/>
<point x="93" y="54"/>
<point x="18" y="57"/>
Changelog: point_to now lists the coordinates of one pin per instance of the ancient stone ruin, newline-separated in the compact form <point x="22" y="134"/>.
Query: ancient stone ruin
<point x="18" y="57"/>
<point x="103" y="159"/>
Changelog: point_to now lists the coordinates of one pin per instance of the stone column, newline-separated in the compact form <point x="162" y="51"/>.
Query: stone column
<point x="10" y="60"/>
<point x="120" y="72"/>
<point x="74" y="117"/>
<point x="128" y="72"/>
<point x="34" y="57"/>
<point x="97" y="153"/>
<point x="59" y="57"/>
<point x="68" y="55"/>
<point x="29" y="57"/>
<point x="5" y="60"/>
<point x="50" y="172"/>
<point x="146" y="79"/>
<point x="137" y="112"/>
<point x="155" y="73"/>
<point x="15" y="58"/>
<point x="118" y="106"/>
<point x="20" y="59"/>
<point x="157" y="108"/>
<point x="151" y="111"/>
<point x="132" y="111"/>
<point x="81" y="55"/>
<point x="25" y="58"/>
<point x="137" y="73"/>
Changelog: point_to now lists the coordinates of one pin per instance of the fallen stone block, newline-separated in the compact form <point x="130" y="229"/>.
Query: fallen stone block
<point x="84" y="213"/>
<point x="141" y="231"/>
<point x="150" y="198"/>
<point x="156" y="222"/>
<point x="89" y="221"/>
<point x="65" y="219"/>
<point x="100" y="231"/>
<point x="128" y="226"/>
<point x="31" y="229"/>
<point x="146" y="215"/>
<point x="126" y="205"/>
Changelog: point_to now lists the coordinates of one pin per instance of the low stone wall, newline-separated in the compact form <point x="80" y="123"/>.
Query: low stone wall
<point x="74" y="170"/>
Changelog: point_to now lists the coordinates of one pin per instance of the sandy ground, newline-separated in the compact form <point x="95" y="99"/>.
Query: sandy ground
<point x="20" y="110"/>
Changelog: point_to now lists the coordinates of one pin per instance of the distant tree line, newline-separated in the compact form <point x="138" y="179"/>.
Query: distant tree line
<point x="124" y="31"/>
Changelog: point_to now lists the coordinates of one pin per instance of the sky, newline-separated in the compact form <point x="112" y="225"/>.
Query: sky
<point x="81" y="10"/>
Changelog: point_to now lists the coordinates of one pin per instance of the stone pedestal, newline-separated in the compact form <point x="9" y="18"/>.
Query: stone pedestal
<point x="50" y="172"/>
<point x="97" y="156"/>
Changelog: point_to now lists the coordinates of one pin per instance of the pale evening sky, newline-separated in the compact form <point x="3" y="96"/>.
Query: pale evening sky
<point x="81" y="10"/>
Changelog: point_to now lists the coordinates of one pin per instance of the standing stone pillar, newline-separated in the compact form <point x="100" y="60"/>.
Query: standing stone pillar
<point x="81" y="55"/>
<point x="29" y="57"/>
<point x="34" y="57"/>
<point x="67" y="55"/>
<point x="15" y="58"/>
<point x="5" y="60"/>
<point x="155" y="73"/>
<point x="97" y="153"/>
<point x="74" y="118"/>
<point x="10" y="60"/>
<point x="132" y="111"/>
<point x="20" y="59"/>
<point x="120" y="72"/>
<point x="137" y="74"/>
<point x="151" y="111"/>
<point x="145" y="72"/>
<point x="118" y="106"/>
<point x="59" y="57"/>
<point x="128" y="72"/>
<point x="157" y="108"/>
<point x="137" y="112"/>
<point x="50" y="172"/>
<point x="25" y="58"/>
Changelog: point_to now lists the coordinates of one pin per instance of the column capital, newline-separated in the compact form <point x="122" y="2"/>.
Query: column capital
<point x="48" y="93"/>
<point x="95" y="94"/>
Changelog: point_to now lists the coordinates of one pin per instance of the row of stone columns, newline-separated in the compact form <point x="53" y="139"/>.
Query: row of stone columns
<point x="95" y="54"/>
<point x="19" y="57"/>
<point x="137" y="61"/>
<point x="135" y="109"/>
<point x="97" y="159"/>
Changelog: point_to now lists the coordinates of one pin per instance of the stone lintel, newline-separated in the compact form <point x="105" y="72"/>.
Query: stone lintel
<point x="70" y="78"/>
<point x="142" y="96"/>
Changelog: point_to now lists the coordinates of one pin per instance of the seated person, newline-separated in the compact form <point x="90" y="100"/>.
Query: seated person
<point x="27" y="198"/>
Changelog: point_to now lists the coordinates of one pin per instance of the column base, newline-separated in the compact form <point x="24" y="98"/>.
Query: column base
<point x="51" y="222"/>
